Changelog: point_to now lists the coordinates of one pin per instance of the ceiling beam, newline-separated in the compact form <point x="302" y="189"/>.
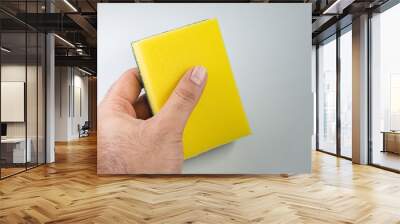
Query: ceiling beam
<point x="86" y="26"/>
<point x="81" y="61"/>
<point x="337" y="6"/>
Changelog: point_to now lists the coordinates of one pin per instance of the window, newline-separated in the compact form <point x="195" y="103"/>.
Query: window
<point x="385" y="89"/>
<point x="327" y="96"/>
<point x="333" y="77"/>
<point x="394" y="101"/>
<point x="346" y="93"/>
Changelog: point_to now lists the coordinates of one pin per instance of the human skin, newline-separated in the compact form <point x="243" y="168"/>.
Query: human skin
<point x="130" y="141"/>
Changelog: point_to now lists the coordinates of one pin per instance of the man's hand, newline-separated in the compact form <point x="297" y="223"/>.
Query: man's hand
<point x="129" y="141"/>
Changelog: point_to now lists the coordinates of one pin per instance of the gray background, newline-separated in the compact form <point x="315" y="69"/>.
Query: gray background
<point x="269" y="46"/>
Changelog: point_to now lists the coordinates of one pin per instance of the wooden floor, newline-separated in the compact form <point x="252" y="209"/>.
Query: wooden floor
<point x="5" y="172"/>
<point x="387" y="159"/>
<point x="69" y="191"/>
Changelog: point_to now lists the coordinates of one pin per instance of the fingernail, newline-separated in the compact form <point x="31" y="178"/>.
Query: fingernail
<point x="198" y="75"/>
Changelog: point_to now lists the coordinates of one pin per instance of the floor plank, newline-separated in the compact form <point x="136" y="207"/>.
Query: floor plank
<point x="69" y="191"/>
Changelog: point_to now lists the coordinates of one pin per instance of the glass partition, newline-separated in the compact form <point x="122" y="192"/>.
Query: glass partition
<point x="327" y="96"/>
<point x="22" y="77"/>
<point x="13" y="109"/>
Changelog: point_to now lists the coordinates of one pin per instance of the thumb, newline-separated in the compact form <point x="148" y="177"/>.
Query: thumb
<point x="184" y="98"/>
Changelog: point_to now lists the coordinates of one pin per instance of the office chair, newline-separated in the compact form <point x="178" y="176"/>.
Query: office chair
<point x="84" y="130"/>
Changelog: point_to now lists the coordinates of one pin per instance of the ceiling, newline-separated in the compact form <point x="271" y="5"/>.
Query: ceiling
<point x="75" y="22"/>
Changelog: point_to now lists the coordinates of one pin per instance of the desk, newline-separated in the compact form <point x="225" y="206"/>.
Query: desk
<point x="391" y="141"/>
<point x="15" y="148"/>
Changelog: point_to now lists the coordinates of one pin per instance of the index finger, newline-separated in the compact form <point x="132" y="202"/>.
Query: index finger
<point x="127" y="87"/>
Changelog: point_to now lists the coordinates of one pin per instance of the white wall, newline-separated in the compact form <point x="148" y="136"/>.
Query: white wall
<point x="16" y="72"/>
<point x="61" y="103"/>
<point x="79" y="117"/>
<point x="70" y="83"/>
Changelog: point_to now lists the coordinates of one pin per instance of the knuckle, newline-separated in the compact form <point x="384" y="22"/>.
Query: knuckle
<point x="117" y="105"/>
<point x="185" y="95"/>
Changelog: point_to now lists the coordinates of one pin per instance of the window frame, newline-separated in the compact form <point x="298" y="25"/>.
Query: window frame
<point x="334" y="37"/>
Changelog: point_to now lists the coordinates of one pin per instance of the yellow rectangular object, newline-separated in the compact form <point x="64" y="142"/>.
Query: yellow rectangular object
<point x="219" y="117"/>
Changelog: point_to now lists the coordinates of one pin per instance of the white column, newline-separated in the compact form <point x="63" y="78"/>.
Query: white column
<point x="360" y="90"/>
<point x="50" y="100"/>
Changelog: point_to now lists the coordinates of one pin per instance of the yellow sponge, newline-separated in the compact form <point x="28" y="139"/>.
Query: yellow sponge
<point x="219" y="117"/>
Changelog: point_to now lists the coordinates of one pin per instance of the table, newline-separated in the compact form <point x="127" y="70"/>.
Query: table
<point x="13" y="150"/>
<point x="391" y="141"/>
